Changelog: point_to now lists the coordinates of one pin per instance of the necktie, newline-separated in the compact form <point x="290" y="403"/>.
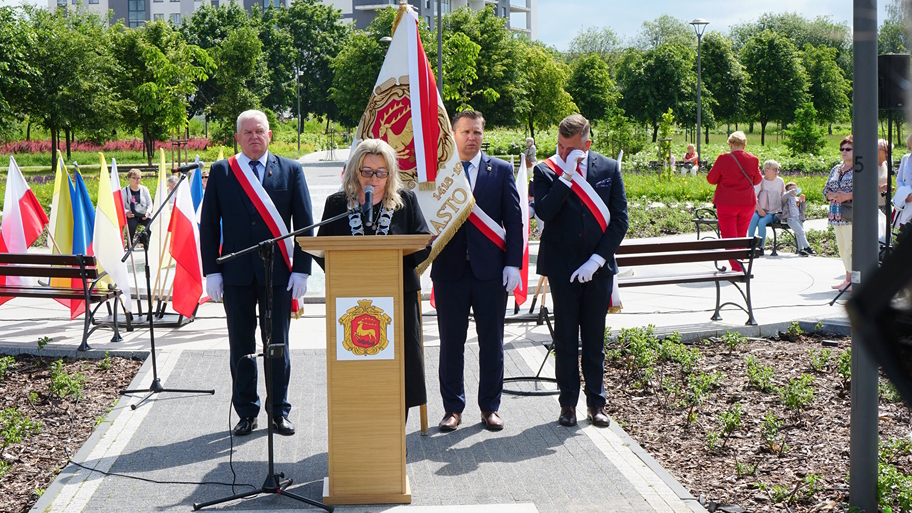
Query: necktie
<point x="465" y="165"/>
<point x="253" y="167"/>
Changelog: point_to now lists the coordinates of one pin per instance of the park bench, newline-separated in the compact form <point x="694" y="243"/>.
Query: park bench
<point x="706" y="219"/>
<point x="89" y="289"/>
<point x="679" y="165"/>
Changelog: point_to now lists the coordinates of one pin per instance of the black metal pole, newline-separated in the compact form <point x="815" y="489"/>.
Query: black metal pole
<point x="699" y="99"/>
<point x="439" y="49"/>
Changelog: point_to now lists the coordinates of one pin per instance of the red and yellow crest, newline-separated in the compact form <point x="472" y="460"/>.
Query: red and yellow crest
<point x="365" y="329"/>
<point x="389" y="117"/>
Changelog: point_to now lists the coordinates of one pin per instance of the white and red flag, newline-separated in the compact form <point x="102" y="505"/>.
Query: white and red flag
<point x="23" y="220"/>
<point x="185" y="249"/>
<point x="521" y="292"/>
<point x="406" y="111"/>
<point x="118" y="197"/>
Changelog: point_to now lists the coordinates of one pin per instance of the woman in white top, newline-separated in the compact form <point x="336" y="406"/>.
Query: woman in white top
<point x="137" y="202"/>
<point x="769" y="200"/>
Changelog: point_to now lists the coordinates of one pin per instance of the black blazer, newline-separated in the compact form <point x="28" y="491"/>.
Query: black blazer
<point x="571" y="233"/>
<point x="226" y="206"/>
<point x="407" y="220"/>
<point x="496" y="194"/>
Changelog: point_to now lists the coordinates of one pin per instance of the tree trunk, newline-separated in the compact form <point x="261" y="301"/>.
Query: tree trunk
<point x="705" y="139"/>
<point x="750" y="127"/>
<point x="655" y="132"/>
<point x="53" y="130"/>
<point x="28" y="131"/>
<point x="762" y="132"/>
<point x="68" y="133"/>
<point x="147" y="144"/>
<point x="531" y="128"/>
<point x="830" y="129"/>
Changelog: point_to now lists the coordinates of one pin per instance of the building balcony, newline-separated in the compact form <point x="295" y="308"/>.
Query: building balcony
<point x="519" y="8"/>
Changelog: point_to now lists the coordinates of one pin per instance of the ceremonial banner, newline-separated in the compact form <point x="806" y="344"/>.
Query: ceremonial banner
<point x="23" y="220"/>
<point x="521" y="292"/>
<point x="406" y="111"/>
<point x="185" y="248"/>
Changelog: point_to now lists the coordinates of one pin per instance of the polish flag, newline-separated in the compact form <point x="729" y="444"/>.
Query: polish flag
<point x="118" y="197"/>
<point x="23" y="220"/>
<point x="521" y="292"/>
<point x="185" y="249"/>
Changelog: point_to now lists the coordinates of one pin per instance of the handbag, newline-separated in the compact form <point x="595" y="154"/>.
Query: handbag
<point x="138" y="209"/>
<point x="846" y="211"/>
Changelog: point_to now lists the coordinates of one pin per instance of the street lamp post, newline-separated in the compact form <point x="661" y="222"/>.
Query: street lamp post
<point x="298" y="94"/>
<point x="699" y="26"/>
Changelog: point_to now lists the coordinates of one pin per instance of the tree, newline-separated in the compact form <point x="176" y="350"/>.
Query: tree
<point x="827" y="86"/>
<point x="592" y="89"/>
<point x="498" y="66"/>
<point x="654" y="81"/>
<point x="15" y="71"/>
<point x="157" y="72"/>
<point x="544" y="101"/>
<point x="891" y="36"/>
<point x="724" y="79"/>
<point x="238" y="60"/>
<point x="459" y="58"/>
<point x="664" y="30"/>
<point x="777" y="80"/>
<point x="316" y="38"/>
<point x="602" y="42"/>
<point x="71" y="74"/>
<point x="805" y="136"/>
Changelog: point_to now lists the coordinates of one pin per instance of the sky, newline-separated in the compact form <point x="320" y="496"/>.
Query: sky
<point x="560" y="20"/>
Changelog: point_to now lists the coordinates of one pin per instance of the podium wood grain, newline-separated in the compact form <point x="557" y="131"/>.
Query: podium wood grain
<point x="365" y="397"/>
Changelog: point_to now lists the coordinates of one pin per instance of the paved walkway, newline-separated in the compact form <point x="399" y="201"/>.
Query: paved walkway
<point x="534" y="465"/>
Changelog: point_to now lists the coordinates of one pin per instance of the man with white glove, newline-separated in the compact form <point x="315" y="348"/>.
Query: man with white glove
<point x="476" y="271"/>
<point x="580" y="196"/>
<point x="251" y="197"/>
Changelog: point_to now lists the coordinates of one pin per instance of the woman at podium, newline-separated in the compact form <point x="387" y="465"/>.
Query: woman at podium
<point x="393" y="211"/>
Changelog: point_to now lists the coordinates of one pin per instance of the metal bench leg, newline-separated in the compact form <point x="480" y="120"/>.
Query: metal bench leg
<point x="84" y="346"/>
<point x="716" y="316"/>
<point x="116" y="337"/>
<point x="775" y="243"/>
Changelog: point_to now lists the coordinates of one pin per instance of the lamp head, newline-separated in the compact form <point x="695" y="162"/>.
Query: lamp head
<point x="699" y="26"/>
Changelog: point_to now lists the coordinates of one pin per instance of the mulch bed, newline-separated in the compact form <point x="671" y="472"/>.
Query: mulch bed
<point x="745" y="470"/>
<point x="65" y="423"/>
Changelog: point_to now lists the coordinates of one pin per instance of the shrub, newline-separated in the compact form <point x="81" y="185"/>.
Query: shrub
<point x="64" y="384"/>
<point x="15" y="426"/>
<point x="805" y="136"/>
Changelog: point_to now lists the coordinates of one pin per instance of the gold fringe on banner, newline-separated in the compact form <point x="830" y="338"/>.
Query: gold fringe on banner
<point x="445" y="237"/>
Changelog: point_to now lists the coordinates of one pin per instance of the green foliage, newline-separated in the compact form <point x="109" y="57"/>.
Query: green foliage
<point x="798" y="393"/>
<point x="818" y="326"/>
<point x="729" y="421"/>
<point x="772" y="437"/>
<point x="894" y="488"/>
<point x="724" y="80"/>
<point x="663" y="154"/>
<point x="759" y="376"/>
<point x="794" y="329"/>
<point x="732" y="339"/>
<point x="712" y="440"/>
<point x="64" y="384"/>
<point x="602" y="42"/>
<point x="543" y="101"/>
<point x="698" y="389"/>
<point x="5" y="467"/>
<point x="805" y="136"/>
<point x="361" y="55"/>
<point x="592" y="88"/>
<point x="15" y="427"/>
<point x="43" y="341"/>
<point x="460" y="56"/>
<point x="654" y="81"/>
<point x="5" y="363"/>
<point x="828" y="88"/>
<point x="844" y="367"/>
<point x="664" y="30"/>
<point x="777" y="80"/>
<point x="106" y="362"/>
<point x="743" y="469"/>
<point x="618" y="133"/>
<point x="888" y="392"/>
<point x="820" y="360"/>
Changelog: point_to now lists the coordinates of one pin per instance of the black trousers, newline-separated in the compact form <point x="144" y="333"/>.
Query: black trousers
<point x="133" y="222"/>
<point x="243" y="306"/>
<point x="488" y="301"/>
<point x="579" y="315"/>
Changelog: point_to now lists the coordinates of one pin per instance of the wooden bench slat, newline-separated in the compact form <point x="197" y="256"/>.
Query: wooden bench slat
<point x="47" y="272"/>
<point x="700" y="245"/>
<point x="57" y="293"/>
<point x="682" y="258"/>
<point x="681" y="279"/>
<point x="45" y="259"/>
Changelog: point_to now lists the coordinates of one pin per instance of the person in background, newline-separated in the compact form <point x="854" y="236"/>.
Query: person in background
<point x="137" y="202"/>
<point x="205" y="179"/>
<point x="793" y="214"/>
<point x="735" y="174"/>
<point x="172" y="182"/>
<point x="769" y="201"/>
<point x="838" y="191"/>
<point x="691" y="160"/>
<point x="883" y="147"/>
<point x="529" y="154"/>
<point x="396" y="212"/>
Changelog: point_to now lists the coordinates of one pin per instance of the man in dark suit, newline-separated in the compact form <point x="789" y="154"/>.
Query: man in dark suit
<point x="577" y="255"/>
<point x="251" y="197"/>
<point x="476" y="269"/>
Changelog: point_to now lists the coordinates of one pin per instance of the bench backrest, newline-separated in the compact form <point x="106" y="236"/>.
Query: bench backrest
<point x="707" y="250"/>
<point x="44" y="265"/>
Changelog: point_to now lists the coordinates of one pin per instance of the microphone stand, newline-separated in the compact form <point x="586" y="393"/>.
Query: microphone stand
<point x="156" y="386"/>
<point x="275" y="482"/>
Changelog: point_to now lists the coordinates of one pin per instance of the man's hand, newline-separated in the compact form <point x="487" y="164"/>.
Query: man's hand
<point x="297" y="284"/>
<point x="510" y="277"/>
<point x="214" y="286"/>
<point x="585" y="272"/>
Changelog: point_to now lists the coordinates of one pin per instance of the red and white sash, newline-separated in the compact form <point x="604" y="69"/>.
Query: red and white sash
<point x="586" y="194"/>
<point x="264" y="205"/>
<point x="488" y="227"/>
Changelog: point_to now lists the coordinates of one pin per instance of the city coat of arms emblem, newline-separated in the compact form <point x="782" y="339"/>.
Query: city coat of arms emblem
<point x="365" y="329"/>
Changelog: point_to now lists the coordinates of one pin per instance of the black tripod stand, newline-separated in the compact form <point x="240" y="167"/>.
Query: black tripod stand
<point x="156" y="387"/>
<point x="275" y="482"/>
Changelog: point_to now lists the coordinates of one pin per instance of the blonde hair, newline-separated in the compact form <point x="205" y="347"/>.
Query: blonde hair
<point x="392" y="200"/>
<point x="134" y="172"/>
<point x="771" y="164"/>
<point x="737" y="139"/>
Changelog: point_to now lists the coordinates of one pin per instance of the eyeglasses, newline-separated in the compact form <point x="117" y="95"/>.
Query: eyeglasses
<point x="367" y="173"/>
<point x="205" y="177"/>
<point x="135" y="178"/>
<point x="845" y="149"/>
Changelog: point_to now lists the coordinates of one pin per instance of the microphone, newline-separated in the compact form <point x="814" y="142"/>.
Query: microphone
<point x="186" y="169"/>
<point x="369" y="204"/>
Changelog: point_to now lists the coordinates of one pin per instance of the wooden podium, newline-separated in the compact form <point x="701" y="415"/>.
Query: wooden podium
<point x="365" y="377"/>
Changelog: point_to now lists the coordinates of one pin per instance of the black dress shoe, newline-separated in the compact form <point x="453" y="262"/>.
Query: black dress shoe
<point x="245" y="426"/>
<point x="567" y="416"/>
<point x="597" y="416"/>
<point x="283" y="426"/>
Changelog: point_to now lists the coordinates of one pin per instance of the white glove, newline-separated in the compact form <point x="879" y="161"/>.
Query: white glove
<point x="297" y="284"/>
<point x="510" y="277"/>
<point x="215" y="289"/>
<point x="585" y="271"/>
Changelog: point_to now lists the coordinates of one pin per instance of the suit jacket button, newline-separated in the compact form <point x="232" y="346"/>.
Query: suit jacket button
<point x="252" y="223"/>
